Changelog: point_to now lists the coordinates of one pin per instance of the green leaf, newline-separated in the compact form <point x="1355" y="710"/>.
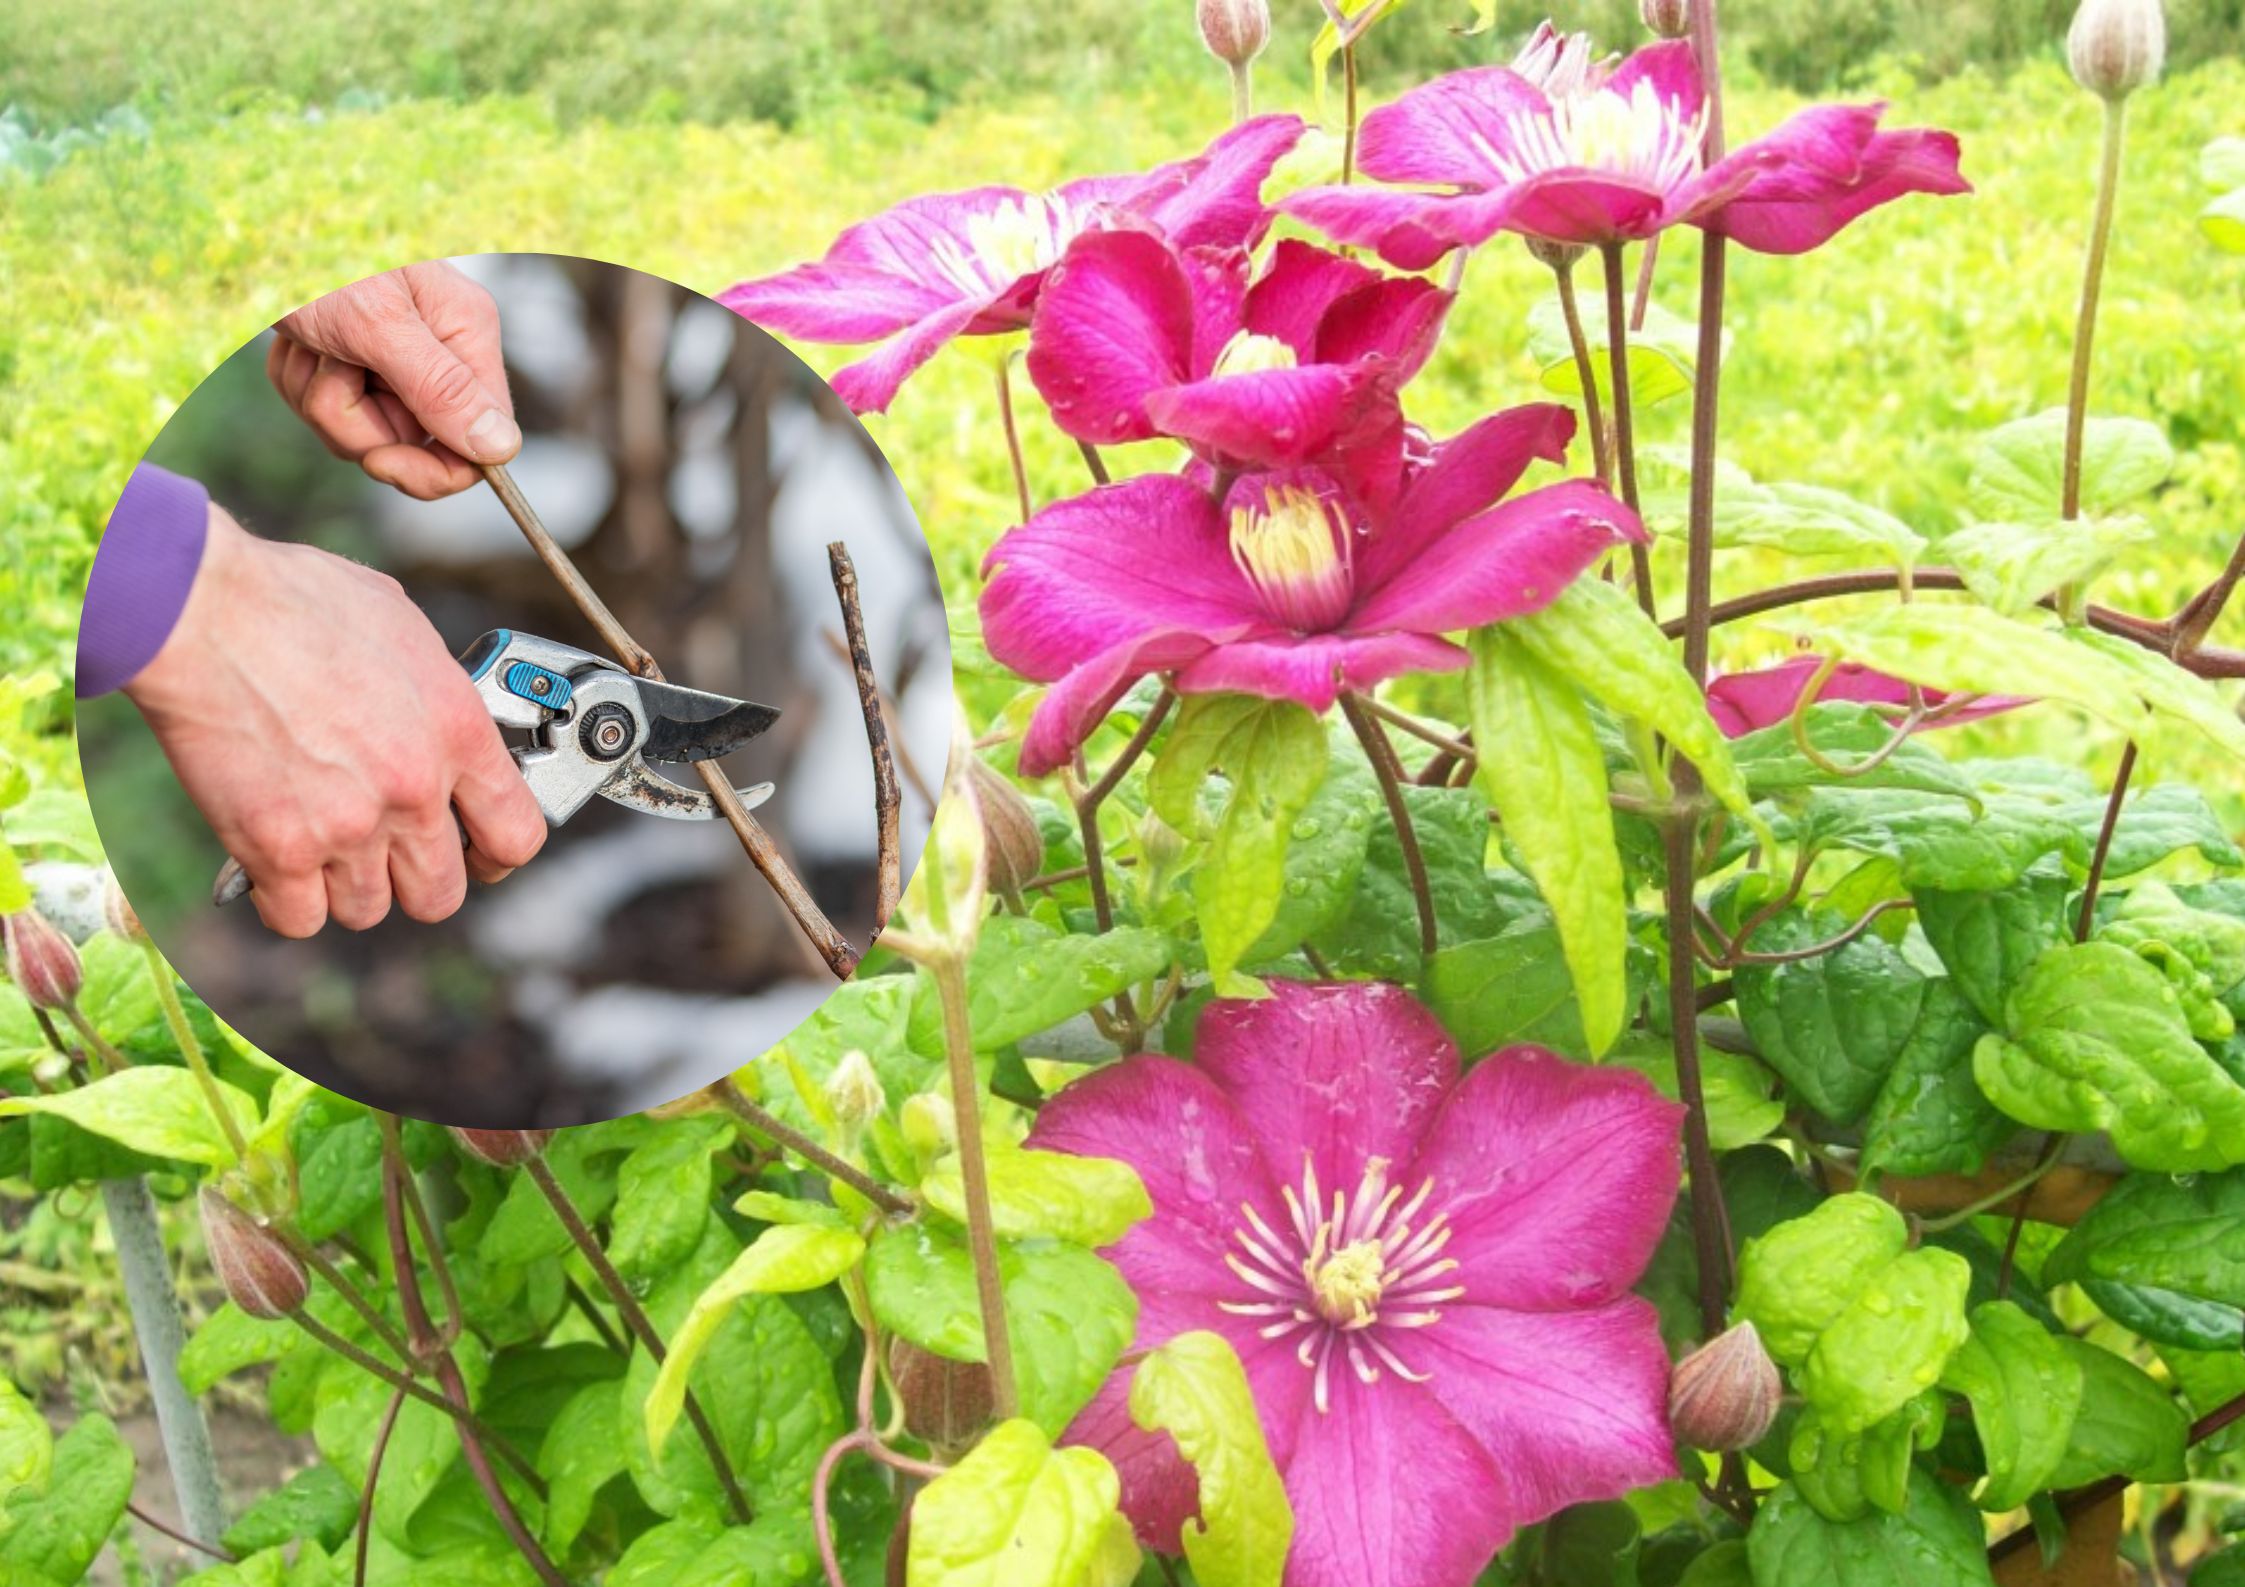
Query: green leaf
<point x="1017" y="1512"/>
<point x="1930" y="1116"/>
<point x="1723" y="1564"/>
<point x="2025" y="1389"/>
<point x="1089" y="1201"/>
<point x="2172" y="694"/>
<point x="2223" y="222"/>
<point x="771" y="1551"/>
<point x="53" y="1536"/>
<point x="316" y="1503"/>
<point x="1990" y="940"/>
<point x="1848" y="733"/>
<point x="2097" y="1040"/>
<point x="1799" y="520"/>
<point x="1505" y="990"/>
<point x="662" y="1195"/>
<point x="1937" y="1541"/>
<point x="2019" y="473"/>
<point x="1832" y="1025"/>
<point x="782" y="1260"/>
<point x="1795" y="1281"/>
<point x="1069" y="1313"/>
<point x="1736" y="1089"/>
<point x="1971" y="650"/>
<point x="2157" y="1231"/>
<point x="1844" y="1476"/>
<point x="1546" y="774"/>
<point x="1662" y="352"/>
<point x="1890" y="1342"/>
<point x="1596" y="635"/>
<point x="2011" y="566"/>
<point x="582" y="1452"/>
<point x="2166" y="1318"/>
<point x="2128" y="1425"/>
<point x="1324" y="859"/>
<point x="153" y="1109"/>
<point x="1026" y="977"/>
<point x="1194" y="1389"/>
<point x="27" y="1451"/>
<point x="1379" y="936"/>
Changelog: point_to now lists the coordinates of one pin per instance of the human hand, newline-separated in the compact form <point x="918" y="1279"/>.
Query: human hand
<point x="317" y="722"/>
<point x="401" y="374"/>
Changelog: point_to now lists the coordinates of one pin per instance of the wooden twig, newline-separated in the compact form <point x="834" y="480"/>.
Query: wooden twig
<point x="905" y="765"/>
<point x="887" y="801"/>
<point x="762" y="852"/>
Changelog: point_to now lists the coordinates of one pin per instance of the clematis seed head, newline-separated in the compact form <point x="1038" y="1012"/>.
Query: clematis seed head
<point x="1235" y="31"/>
<point x="259" y="1273"/>
<point x="946" y="1403"/>
<point x="117" y="911"/>
<point x="2117" y="46"/>
<point x="502" y="1148"/>
<point x="1671" y="19"/>
<point x="1724" y="1395"/>
<point x="1013" y="844"/>
<point x="41" y="960"/>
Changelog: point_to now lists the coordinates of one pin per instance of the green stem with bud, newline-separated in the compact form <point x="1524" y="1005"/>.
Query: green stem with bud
<point x="191" y="1049"/>
<point x="949" y="970"/>
<point x="2070" y="597"/>
<point x="1243" y="90"/>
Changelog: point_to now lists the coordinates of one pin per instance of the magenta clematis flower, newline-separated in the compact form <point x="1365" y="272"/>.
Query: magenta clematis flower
<point x="1426" y="1277"/>
<point x="1743" y="702"/>
<point x="1291" y="587"/>
<point x="1612" y="159"/>
<point x="971" y="263"/>
<point x="1133" y="339"/>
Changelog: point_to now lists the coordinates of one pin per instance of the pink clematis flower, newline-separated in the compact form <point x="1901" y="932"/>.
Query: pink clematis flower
<point x="971" y="263"/>
<point x="1744" y="702"/>
<point x="1426" y="1277"/>
<point x="1133" y="339"/>
<point x="1291" y="587"/>
<point x="1611" y="159"/>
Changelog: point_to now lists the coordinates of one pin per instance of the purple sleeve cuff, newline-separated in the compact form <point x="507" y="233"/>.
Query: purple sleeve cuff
<point x="142" y="573"/>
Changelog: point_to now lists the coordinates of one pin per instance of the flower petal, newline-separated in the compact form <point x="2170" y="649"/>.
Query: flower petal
<point x="1410" y="230"/>
<point x="1819" y="172"/>
<point x="1472" y="470"/>
<point x="870" y="384"/>
<point x="1215" y="199"/>
<point x="1742" y="702"/>
<point x="1113" y="324"/>
<point x="1311" y="669"/>
<point x="1092" y="571"/>
<point x="1278" y="418"/>
<point x="1557" y="1178"/>
<point x="1449" y="132"/>
<point x="1672" y="68"/>
<point x="1570" y="1406"/>
<point x="1292" y="295"/>
<point x="1576" y="206"/>
<point x="1389" y="1490"/>
<point x="1343" y="1072"/>
<point x="1506" y="562"/>
<point x="1080" y="701"/>
<point x="1396" y="319"/>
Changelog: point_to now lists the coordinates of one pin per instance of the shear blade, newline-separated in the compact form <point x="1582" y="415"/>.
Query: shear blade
<point x="688" y="725"/>
<point x="636" y="788"/>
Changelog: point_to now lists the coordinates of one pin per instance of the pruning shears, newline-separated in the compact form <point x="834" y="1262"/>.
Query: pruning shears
<point x="592" y="728"/>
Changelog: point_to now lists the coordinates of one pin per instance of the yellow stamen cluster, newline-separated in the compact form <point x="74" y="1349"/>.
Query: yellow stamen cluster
<point x="1250" y="354"/>
<point x="1295" y="552"/>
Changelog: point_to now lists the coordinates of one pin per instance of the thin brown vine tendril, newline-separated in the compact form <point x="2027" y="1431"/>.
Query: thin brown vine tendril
<point x="1586" y="372"/>
<point x="888" y="798"/>
<point x="373" y="1476"/>
<point x="783" y="1134"/>
<point x="1013" y="435"/>
<point x="642" y="1326"/>
<point x="1388" y="771"/>
<point x="156" y="1523"/>
<point x="1625" y="424"/>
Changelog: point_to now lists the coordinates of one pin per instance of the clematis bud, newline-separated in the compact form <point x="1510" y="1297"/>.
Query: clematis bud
<point x="117" y="912"/>
<point x="1012" y="841"/>
<point x="41" y="960"/>
<point x="259" y="1274"/>
<point x="1724" y="1395"/>
<point x="1235" y="31"/>
<point x="946" y="1403"/>
<point x="2117" y="46"/>
<point x="854" y="1091"/>
<point x="1559" y="256"/>
<point x="1671" y="19"/>
<point x="502" y="1148"/>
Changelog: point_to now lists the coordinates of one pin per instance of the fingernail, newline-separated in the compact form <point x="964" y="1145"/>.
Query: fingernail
<point x="493" y="438"/>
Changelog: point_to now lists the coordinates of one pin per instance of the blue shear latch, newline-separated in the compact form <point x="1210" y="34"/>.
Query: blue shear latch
<point x="539" y="685"/>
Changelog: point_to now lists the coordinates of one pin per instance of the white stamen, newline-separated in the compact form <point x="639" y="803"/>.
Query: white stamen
<point x="1637" y="135"/>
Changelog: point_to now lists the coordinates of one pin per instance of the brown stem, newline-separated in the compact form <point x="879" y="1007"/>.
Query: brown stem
<point x="1646" y="268"/>
<point x="2088" y="917"/>
<point x="494" y="1491"/>
<point x="1456" y="748"/>
<point x="762" y="852"/>
<point x="1094" y="462"/>
<point x="156" y="1523"/>
<point x="781" y="1133"/>
<point x="341" y="1282"/>
<point x="373" y="1476"/>
<point x="409" y="1189"/>
<point x="2197" y="619"/>
<point x="1625" y="424"/>
<point x="1586" y="371"/>
<point x="636" y="1319"/>
<point x="1862" y="924"/>
<point x="888" y="801"/>
<point x="974" y="1179"/>
<point x="1087" y="805"/>
<point x="1348" y="89"/>
<point x="1013" y="436"/>
<point x="1385" y="767"/>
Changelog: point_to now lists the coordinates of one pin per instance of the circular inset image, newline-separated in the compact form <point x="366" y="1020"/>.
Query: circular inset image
<point x="431" y="643"/>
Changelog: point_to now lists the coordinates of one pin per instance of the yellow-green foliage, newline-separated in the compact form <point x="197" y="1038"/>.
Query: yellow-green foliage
<point x="1871" y="365"/>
